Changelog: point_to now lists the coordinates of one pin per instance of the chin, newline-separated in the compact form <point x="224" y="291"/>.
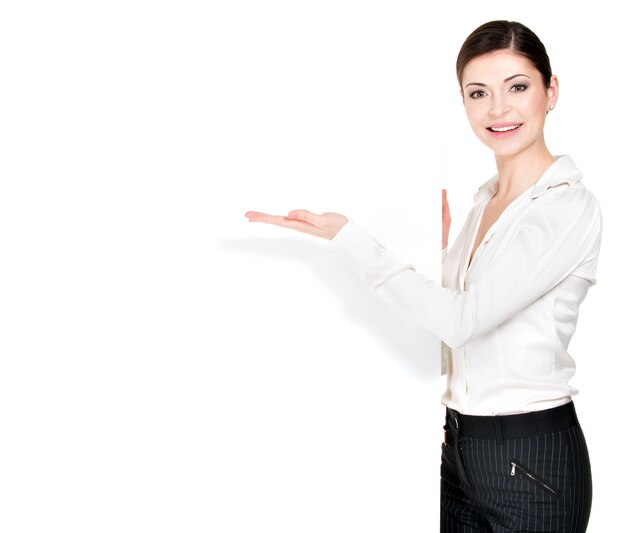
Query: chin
<point x="500" y="151"/>
<point x="504" y="149"/>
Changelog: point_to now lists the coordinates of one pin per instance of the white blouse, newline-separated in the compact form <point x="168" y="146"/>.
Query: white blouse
<point x="507" y="320"/>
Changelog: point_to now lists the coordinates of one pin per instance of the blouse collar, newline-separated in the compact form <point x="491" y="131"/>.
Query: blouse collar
<point x="562" y="170"/>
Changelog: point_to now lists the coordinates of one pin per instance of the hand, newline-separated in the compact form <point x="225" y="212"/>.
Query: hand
<point x="326" y="225"/>
<point x="445" y="219"/>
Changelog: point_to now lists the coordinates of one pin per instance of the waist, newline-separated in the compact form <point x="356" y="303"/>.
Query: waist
<point x="513" y="426"/>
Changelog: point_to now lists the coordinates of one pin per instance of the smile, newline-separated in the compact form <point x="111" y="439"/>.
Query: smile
<point x="503" y="130"/>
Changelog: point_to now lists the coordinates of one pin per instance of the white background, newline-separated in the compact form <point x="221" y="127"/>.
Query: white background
<point x="167" y="366"/>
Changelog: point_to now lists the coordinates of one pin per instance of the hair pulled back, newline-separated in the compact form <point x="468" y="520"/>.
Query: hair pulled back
<point x="505" y="35"/>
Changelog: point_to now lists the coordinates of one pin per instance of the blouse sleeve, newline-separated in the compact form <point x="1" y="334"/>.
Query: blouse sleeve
<point x="561" y="231"/>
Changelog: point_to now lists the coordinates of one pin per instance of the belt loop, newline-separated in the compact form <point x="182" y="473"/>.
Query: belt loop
<point x="498" y="424"/>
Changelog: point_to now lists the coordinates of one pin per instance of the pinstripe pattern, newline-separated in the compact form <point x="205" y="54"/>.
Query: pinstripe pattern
<point x="549" y="490"/>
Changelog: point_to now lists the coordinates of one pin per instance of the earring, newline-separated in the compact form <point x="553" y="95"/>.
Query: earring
<point x="551" y="108"/>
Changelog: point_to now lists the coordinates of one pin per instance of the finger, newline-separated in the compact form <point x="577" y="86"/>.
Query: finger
<point x="285" y="222"/>
<point x="258" y="216"/>
<point x="305" y="215"/>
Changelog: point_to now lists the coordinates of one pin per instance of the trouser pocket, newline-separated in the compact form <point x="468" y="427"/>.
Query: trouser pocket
<point x="518" y="468"/>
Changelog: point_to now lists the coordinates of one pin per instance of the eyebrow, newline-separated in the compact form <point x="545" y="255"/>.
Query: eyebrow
<point x="507" y="79"/>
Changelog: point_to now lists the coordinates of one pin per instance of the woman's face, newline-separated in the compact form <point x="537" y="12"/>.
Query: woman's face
<point x="506" y="101"/>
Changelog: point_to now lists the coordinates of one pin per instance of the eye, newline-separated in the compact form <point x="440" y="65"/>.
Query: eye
<point x="477" y="94"/>
<point x="519" y="87"/>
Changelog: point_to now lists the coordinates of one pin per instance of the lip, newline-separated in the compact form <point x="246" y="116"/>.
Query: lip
<point x="504" y="134"/>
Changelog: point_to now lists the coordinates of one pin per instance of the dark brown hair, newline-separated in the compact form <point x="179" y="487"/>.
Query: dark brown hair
<point x="505" y="35"/>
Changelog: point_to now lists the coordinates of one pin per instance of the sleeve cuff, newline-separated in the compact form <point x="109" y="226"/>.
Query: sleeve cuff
<point x="352" y="242"/>
<point x="366" y="255"/>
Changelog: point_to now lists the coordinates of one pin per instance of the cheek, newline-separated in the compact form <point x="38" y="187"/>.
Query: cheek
<point x="476" y="119"/>
<point x="473" y="113"/>
<point x="534" y="105"/>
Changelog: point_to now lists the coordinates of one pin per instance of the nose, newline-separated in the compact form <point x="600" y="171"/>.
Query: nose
<point x="499" y="105"/>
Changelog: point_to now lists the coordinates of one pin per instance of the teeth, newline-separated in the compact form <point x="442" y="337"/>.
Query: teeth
<point x="506" y="128"/>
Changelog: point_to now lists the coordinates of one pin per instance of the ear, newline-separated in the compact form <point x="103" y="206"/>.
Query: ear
<point x="553" y="91"/>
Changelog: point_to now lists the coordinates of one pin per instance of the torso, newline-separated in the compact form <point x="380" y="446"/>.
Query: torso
<point x="509" y="367"/>
<point x="490" y="215"/>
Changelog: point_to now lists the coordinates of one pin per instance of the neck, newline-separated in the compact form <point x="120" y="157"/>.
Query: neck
<point x="517" y="173"/>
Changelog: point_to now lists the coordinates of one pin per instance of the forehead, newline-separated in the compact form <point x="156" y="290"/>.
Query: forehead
<point x="497" y="66"/>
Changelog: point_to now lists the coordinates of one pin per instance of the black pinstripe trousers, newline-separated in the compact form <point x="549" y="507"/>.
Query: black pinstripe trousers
<point x="516" y="473"/>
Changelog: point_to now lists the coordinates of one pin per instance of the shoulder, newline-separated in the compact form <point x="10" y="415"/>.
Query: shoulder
<point x="562" y="185"/>
<point x="566" y="200"/>
<point x="565" y="209"/>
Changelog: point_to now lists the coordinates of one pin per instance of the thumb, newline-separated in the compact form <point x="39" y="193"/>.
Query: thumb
<point x="307" y="216"/>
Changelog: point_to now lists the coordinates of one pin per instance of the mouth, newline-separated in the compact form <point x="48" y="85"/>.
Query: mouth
<point x="504" y="130"/>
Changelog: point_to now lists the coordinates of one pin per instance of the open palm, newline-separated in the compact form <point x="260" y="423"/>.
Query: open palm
<point x="326" y="225"/>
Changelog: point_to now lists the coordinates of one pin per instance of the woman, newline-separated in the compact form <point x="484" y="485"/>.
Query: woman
<point x="514" y="456"/>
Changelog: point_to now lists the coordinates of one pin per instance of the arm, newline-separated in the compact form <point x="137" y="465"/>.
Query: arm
<point x="561" y="231"/>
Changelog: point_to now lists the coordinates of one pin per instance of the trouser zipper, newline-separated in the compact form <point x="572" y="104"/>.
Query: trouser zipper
<point x="515" y="465"/>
